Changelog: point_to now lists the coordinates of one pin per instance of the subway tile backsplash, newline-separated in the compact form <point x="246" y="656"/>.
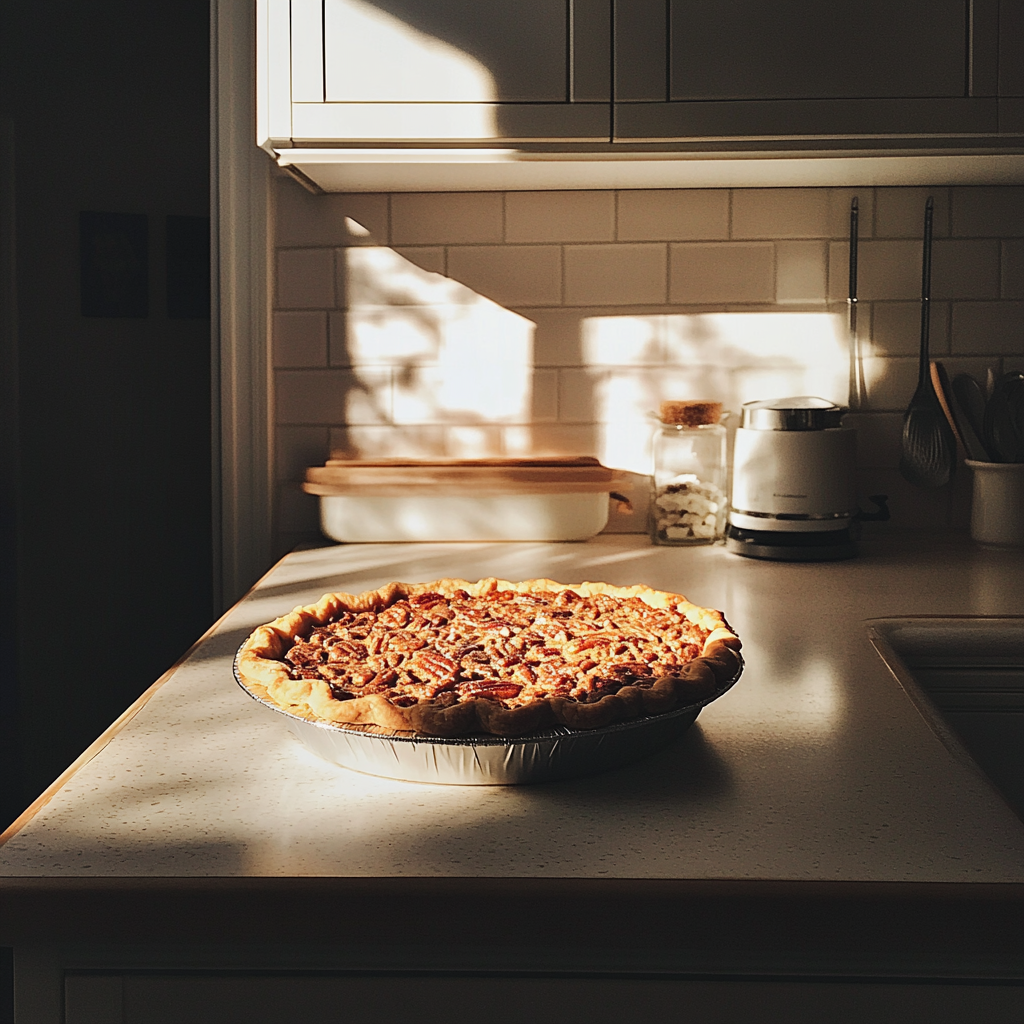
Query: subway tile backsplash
<point x="471" y="324"/>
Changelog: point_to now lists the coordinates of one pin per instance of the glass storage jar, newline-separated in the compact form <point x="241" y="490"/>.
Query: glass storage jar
<point x="689" y="485"/>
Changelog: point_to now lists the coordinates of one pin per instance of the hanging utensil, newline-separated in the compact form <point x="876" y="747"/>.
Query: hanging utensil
<point x="856" y="372"/>
<point x="969" y="398"/>
<point x="1002" y="434"/>
<point x="929" y="448"/>
<point x="940" y="385"/>
<point x="966" y="431"/>
<point x="1015" y="398"/>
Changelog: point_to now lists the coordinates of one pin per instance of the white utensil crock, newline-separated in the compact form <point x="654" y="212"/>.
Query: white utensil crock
<point x="997" y="507"/>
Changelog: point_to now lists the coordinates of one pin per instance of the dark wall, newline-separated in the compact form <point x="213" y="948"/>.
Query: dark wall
<point x="110" y="108"/>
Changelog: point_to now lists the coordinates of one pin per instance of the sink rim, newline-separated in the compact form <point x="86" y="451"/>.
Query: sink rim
<point x="883" y="631"/>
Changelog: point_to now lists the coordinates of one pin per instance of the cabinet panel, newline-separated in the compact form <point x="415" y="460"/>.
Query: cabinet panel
<point x="1011" y="48"/>
<point x="640" y="50"/>
<point x="745" y="49"/>
<point x="378" y="998"/>
<point x="590" y="32"/>
<point x="307" y="63"/>
<point x="653" y="122"/>
<point x="446" y="51"/>
<point x="317" y="123"/>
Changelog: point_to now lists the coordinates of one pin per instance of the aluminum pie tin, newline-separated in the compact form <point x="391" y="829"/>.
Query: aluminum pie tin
<point x="558" y="753"/>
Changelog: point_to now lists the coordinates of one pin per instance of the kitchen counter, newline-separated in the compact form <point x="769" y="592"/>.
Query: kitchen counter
<point x="811" y="820"/>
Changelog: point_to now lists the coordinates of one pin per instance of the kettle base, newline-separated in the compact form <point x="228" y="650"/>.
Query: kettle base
<point x="775" y="546"/>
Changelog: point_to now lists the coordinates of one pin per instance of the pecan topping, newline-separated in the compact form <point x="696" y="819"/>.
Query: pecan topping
<point x="506" y="647"/>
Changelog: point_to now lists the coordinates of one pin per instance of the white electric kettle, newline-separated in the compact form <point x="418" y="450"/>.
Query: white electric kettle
<point x="794" y="493"/>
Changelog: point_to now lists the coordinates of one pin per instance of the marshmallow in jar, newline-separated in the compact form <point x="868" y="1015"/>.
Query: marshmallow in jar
<point x="688" y="502"/>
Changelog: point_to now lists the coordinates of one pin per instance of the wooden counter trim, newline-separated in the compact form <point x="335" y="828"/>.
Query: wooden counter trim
<point x="117" y="725"/>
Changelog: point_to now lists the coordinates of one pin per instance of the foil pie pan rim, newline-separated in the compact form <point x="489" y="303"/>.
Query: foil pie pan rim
<point x="487" y="739"/>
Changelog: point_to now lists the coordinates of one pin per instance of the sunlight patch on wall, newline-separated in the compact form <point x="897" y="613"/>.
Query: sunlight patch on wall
<point x="430" y="351"/>
<point x="634" y="363"/>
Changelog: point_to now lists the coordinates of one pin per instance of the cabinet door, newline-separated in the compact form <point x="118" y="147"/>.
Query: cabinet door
<point x="445" y="51"/>
<point x="757" y="69"/>
<point x="451" y="69"/>
<point x="807" y="49"/>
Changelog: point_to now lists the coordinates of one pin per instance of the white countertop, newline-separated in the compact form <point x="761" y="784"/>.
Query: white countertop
<point x="815" y="766"/>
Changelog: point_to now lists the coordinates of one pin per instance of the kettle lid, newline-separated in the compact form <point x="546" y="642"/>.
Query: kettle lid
<point x="803" y="413"/>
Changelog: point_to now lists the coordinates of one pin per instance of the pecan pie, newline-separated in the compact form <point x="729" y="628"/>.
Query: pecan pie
<point x="453" y="658"/>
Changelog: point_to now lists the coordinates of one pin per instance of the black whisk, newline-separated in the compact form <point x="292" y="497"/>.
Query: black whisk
<point x="929" y="448"/>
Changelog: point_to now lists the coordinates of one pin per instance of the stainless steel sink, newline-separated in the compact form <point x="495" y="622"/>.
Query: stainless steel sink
<point x="966" y="676"/>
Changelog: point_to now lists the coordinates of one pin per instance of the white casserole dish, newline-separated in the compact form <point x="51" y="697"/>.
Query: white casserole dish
<point x="359" y="519"/>
<point x="547" y="499"/>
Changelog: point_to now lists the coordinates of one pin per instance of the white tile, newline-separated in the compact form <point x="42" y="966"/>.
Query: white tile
<point x="780" y="213"/>
<point x="304" y="219"/>
<point x="899" y="212"/>
<point x="730" y="355"/>
<point x="576" y="395"/>
<point x="305" y="279"/>
<point x="800" y="272"/>
<point x="894" y="329"/>
<point x="890" y="383"/>
<point x="715" y="272"/>
<point x="965" y="268"/>
<point x="558" y="336"/>
<point x="387" y="442"/>
<point x="485" y="391"/>
<point x="879" y="437"/>
<point x="1012" y="269"/>
<point x="673" y="215"/>
<point x="300" y="339"/>
<point x="387" y="335"/>
<point x="513" y="275"/>
<point x="988" y="328"/>
<point x="298" y="448"/>
<point x="617" y="340"/>
<point x="885" y="270"/>
<point x="977" y="366"/>
<point x="544" y="402"/>
<point x="473" y="442"/>
<point x="378" y="276"/>
<point x="442" y="218"/>
<point x="839" y="200"/>
<point x="551" y="439"/>
<point x="626" y="444"/>
<point x="333" y="396"/>
<point x="560" y="216"/>
<point x="426" y="257"/>
<point x="615" y="275"/>
<point x="990" y="212"/>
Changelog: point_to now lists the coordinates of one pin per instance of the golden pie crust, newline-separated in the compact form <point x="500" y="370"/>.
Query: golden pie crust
<point x="265" y="672"/>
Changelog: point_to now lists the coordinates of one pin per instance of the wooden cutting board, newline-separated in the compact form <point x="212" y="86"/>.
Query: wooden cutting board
<point x="554" y="475"/>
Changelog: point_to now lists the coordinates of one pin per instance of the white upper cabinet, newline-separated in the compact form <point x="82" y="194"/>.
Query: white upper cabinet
<point x="445" y="70"/>
<point x="581" y="93"/>
<point x="882" y="72"/>
<point x="448" y="51"/>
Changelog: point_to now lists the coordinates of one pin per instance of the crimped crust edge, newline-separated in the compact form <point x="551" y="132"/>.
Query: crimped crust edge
<point x="264" y="674"/>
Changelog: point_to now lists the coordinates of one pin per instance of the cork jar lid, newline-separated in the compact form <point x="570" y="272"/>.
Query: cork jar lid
<point x="690" y="414"/>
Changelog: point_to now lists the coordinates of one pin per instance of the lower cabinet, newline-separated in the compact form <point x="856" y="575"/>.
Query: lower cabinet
<point x="315" y="997"/>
